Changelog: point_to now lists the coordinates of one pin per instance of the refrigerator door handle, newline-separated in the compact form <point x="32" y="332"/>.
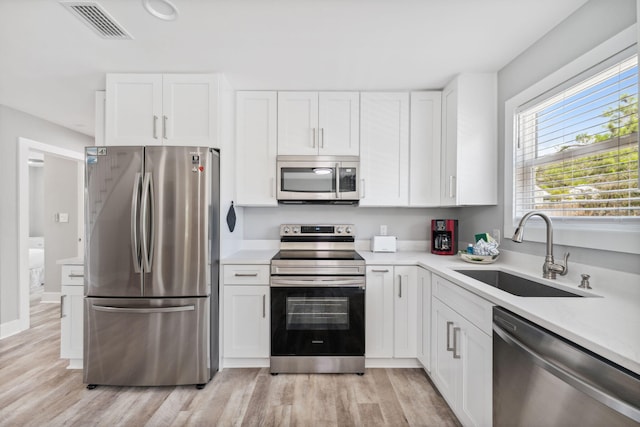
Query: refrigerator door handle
<point x="112" y="309"/>
<point x="147" y="232"/>
<point x="135" y="241"/>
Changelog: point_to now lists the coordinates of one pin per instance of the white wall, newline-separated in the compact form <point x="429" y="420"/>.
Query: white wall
<point x="36" y="201"/>
<point x="61" y="196"/>
<point x="592" y="24"/>
<point x="14" y="124"/>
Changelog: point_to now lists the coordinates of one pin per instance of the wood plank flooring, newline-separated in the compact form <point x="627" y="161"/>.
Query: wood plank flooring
<point x="36" y="389"/>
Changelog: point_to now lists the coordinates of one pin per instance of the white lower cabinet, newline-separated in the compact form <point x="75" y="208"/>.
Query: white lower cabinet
<point x="72" y="314"/>
<point x="424" y="318"/>
<point x="72" y="325"/>
<point x="461" y="363"/>
<point x="391" y="312"/>
<point x="246" y="315"/>
<point x="405" y="312"/>
<point x="246" y="321"/>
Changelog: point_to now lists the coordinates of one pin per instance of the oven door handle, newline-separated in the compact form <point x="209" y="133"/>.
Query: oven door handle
<point x="317" y="282"/>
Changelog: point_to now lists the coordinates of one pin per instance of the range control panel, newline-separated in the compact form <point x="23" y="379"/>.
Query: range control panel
<point x="317" y="230"/>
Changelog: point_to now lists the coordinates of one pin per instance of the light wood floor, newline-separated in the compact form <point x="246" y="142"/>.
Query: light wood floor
<point x="36" y="389"/>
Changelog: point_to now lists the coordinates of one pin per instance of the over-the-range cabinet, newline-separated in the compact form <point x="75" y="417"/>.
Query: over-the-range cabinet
<point x="151" y="265"/>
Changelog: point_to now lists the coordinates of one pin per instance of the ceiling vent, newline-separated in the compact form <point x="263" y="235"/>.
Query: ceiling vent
<point x="98" y="19"/>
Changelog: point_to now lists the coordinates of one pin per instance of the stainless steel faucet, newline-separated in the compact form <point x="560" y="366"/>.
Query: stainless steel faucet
<point x="549" y="268"/>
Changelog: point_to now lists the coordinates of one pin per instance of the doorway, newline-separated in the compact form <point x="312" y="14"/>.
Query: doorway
<point x="27" y="147"/>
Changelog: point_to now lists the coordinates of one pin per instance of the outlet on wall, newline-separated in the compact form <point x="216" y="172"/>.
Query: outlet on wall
<point x="383" y="230"/>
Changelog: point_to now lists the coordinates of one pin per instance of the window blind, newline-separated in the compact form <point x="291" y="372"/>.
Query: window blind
<point x="577" y="146"/>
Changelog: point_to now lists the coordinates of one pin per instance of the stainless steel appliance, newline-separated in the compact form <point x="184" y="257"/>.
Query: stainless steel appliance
<point x="541" y="379"/>
<point x="151" y="265"/>
<point x="317" y="301"/>
<point x="318" y="179"/>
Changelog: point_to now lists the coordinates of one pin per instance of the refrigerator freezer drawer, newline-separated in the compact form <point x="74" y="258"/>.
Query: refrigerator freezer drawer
<point x="146" y="342"/>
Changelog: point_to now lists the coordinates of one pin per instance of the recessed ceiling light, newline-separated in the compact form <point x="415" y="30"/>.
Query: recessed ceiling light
<point x="161" y="9"/>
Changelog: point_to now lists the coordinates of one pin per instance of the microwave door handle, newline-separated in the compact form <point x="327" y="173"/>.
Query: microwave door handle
<point x="337" y="180"/>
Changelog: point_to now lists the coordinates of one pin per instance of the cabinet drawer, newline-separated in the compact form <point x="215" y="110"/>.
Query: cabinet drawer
<point x="475" y="309"/>
<point x="72" y="275"/>
<point x="246" y="274"/>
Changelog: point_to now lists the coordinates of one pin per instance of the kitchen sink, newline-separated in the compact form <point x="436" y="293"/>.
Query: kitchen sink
<point x="515" y="285"/>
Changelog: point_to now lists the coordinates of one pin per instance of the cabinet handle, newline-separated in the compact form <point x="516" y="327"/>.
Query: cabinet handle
<point x="400" y="286"/>
<point x="449" y="348"/>
<point x="321" y="137"/>
<point x="76" y="275"/>
<point x="380" y="271"/>
<point x="264" y="306"/>
<point x="246" y="274"/>
<point x="155" y="127"/>
<point x="313" y="132"/>
<point x="164" y="127"/>
<point x="62" y="298"/>
<point x="455" y="343"/>
<point x="452" y="180"/>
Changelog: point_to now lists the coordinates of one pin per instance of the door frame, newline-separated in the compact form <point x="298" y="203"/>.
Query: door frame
<point x="26" y="145"/>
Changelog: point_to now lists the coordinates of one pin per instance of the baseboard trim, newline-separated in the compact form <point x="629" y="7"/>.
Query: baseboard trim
<point x="10" y="328"/>
<point x="257" y="362"/>
<point x="50" y="298"/>
<point x="392" y="363"/>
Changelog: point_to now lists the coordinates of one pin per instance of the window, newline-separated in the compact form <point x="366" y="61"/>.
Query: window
<point x="571" y="150"/>
<point x="576" y="151"/>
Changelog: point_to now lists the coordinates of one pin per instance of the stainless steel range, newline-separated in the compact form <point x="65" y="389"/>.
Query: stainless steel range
<point x="317" y="301"/>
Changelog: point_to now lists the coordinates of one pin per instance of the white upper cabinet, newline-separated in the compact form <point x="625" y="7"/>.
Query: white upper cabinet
<point x="256" y="148"/>
<point x="324" y="123"/>
<point x="384" y="149"/>
<point x="425" y="141"/>
<point x="469" y="141"/>
<point x="339" y="122"/>
<point x="156" y="109"/>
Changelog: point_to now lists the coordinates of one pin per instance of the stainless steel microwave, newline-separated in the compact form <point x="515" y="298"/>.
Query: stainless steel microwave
<point x="317" y="179"/>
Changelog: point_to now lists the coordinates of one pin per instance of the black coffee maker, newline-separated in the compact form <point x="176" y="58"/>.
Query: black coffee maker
<point x="444" y="236"/>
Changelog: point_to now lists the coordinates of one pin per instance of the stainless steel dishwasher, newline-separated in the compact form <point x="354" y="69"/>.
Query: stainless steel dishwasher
<point x="541" y="379"/>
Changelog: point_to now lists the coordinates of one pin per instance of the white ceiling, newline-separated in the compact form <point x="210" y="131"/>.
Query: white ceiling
<point x="51" y="63"/>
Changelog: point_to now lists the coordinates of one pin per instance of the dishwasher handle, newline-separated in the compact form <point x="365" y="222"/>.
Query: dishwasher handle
<point x="596" y="393"/>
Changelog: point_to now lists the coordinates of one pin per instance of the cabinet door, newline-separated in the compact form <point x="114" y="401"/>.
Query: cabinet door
<point x="379" y="312"/>
<point x="444" y="368"/>
<point x="476" y="368"/>
<point x="298" y="131"/>
<point x="425" y="142"/>
<point x="246" y="321"/>
<point x="405" y="330"/>
<point x="133" y="109"/>
<point x="339" y="122"/>
<point x="189" y="109"/>
<point x="256" y="148"/>
<point x="384" y="149"/>
<point x="72" y="321"/>
<point x="424" y="318"/>
<point x="448" y="183"/>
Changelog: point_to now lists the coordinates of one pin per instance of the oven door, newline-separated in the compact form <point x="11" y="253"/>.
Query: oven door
<point x="317" y="180"/>
<point x="317" y="320"/>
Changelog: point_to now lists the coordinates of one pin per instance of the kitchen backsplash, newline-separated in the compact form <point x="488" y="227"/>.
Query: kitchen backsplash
<point x="404" y="223"/>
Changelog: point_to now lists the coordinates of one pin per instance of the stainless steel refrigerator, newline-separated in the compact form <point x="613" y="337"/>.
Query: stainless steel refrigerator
<point x="151" y="265"/>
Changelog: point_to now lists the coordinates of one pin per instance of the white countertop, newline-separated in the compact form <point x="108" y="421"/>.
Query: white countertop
<point x="606" y="322"/>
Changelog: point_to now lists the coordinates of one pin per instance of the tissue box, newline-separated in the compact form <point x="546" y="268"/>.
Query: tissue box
<point x="383" y="244"/>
